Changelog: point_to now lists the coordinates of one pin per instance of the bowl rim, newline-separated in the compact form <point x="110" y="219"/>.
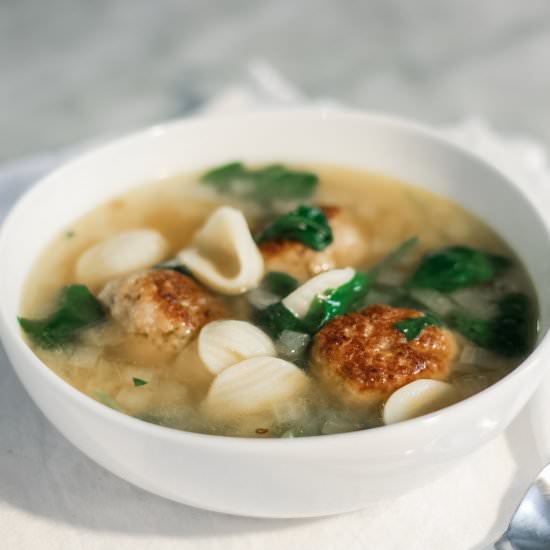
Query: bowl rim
<point x="11" y="332"/>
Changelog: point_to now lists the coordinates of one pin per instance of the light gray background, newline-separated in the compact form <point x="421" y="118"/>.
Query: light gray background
<point x="74" y="69"/>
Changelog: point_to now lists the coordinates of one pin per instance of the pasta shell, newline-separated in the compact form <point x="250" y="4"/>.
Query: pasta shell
<point x="418" y="398"/>
<point x="121" y="254"/>
<point x="224" y="343"/>
<point x="224" y="255"/>
<point x="253" y="386"/>
<point x="299" y="301"/>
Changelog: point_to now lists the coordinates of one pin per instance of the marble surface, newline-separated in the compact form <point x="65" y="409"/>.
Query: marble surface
<point x="72" y="70"/>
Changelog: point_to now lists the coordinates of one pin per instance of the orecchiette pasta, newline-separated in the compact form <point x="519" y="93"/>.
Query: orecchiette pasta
<point x="224" y="343"/>
<point x="418" y="398"/>
<point x="223" y="255"/>
<point x="125" y="252"/>
<point x="299" y="301"/>
<point x="254" y="386"/>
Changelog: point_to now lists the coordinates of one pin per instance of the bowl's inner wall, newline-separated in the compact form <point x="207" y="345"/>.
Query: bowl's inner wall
<point x="364" y="142"/>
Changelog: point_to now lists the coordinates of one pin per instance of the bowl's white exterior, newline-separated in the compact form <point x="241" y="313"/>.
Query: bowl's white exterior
<point x="289" y="477"/>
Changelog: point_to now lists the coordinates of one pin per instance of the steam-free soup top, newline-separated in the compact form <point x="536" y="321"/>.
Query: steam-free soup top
<point x="279" y="302"/>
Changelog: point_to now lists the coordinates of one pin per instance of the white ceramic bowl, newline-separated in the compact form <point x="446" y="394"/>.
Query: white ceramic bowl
<point x="279" y="477"/>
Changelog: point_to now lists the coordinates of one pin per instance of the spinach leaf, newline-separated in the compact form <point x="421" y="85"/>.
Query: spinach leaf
<point x="306" y="224"/>
<point x="264" y="184"/>
<point x="139" y="382"/>
<point x="413" y="327"/>
<point x="457" y="267"/>
<point x="279" y="283"/>
<point x="352" y="295"/>
<point x="78" y="309"/>
<point x="332" y="303"/>
<point x="508" y="333"/>
<point x="276" y="318"/>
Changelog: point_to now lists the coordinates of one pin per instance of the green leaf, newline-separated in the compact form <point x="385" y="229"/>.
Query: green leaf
<point x="139" y="382"/>
<point x="276" y="318"/>
<point x="78" y="309"/>
<point x="306" y="224"/>
<point x="351" y="296"/>
<point x="279" y="283"/>
<point x="224" y="173"/>
<point x="273" y="182"/>
<point x="508" y="333"/>
<point x="334" y="302"/>
<point x="413" y="327"/>
<point x="457" y="267"/>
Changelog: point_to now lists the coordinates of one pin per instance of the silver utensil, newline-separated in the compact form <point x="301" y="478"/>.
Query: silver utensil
<point x="529" y="528"/>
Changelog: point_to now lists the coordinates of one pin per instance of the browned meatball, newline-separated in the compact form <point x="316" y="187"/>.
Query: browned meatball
<point x="362" y="358"/>
<point x="347" y="249"/>
<point x="165" y="306"/>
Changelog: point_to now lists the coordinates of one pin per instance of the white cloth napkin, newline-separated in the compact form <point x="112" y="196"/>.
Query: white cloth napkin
<point x="52" y="497"/>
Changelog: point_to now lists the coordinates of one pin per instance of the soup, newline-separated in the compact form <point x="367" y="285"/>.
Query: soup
<point x="279" y="302"/>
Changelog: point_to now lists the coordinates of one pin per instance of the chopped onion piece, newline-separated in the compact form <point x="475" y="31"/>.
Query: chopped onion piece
<point x="292" y="411"/>
<point x="337" y="422"/>
<point x="478" y="302"/>
<point x="435" y="301"/>
<point x="260" y="298"/>
<point x="292" y="345"/>
<point x="391" y="277"/>
<point x="470" y="384"/>
<point x="472" y="355"/>
<point x="85" y="357"/>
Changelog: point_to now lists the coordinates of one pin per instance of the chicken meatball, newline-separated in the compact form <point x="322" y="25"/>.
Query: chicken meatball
<point x="164" y="306"/>
<point x="362" y="358"/>
<point x="296" y="259"/>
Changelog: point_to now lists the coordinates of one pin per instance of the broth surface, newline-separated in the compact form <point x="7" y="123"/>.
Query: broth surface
<point x="105" y="362"/>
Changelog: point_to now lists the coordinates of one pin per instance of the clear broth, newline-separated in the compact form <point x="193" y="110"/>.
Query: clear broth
<point x="103" y="365"/>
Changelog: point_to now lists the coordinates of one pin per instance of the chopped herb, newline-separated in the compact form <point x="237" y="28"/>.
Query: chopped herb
<point x="457" y="267"/>
<point x="507" y="334"/>
<point x="276" y="318"/>
<point x="306" y="224"/>
<point x="273" y="182"/>
<point x="78" y="309"/>
<point x="174" y="265"/>
<point x="280" y="283"/>
<point x="69" y="234"/>
<point x="139" y="382"/>
<point x="413" y="327"/>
